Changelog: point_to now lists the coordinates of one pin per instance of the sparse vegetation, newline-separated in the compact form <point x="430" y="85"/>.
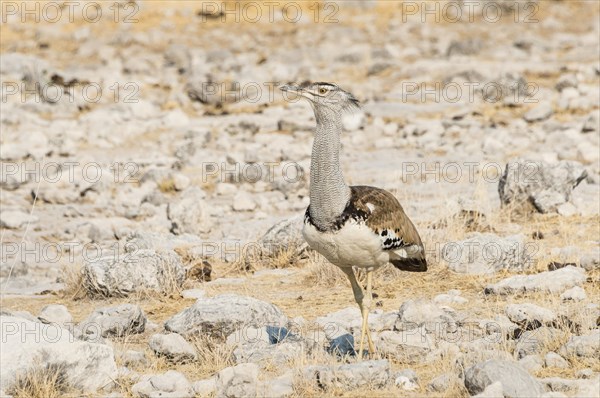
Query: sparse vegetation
<point x="42" y="380"/>
<point x="167" y="185"/>
<point x="373" y="49"/>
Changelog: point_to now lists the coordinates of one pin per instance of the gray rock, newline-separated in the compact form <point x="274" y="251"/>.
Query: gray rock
<point x="532" y="363"/>
<point x="189" y="214"/>
<point x="512" y="86"/>
<point x="541" y="112"/>
<point x="566" y="80"/>
<point x="591" y="124"/>
<point x="134" y="272"/>
<point x="515" y="380"/>
<point x="21" y="65"/>
<point x="340" y="342"/>
<point x="19" y="314"/>
<point x="498" y="327"/>
<point x="133" y="358"/>
<point x="575" y="293"/>
<point x="278" y="387"/>
<point x="410" y="346"/>
<point x="407" y="380"/>
<point x="342" y="327"/>
<point x="140" y="240"/>
<point x="243" y="201"/>
<point x="56" y="313"/>
<point x="208" y="89"/>
<point x="586" y="346"/>
<point x="586" y="373"/>
<point x="59" y="192"/>
<point x="223" y="314"/>
<point x="442" y="382"/>
<point x="452" y="297"/>
<point x="533" y="341"/>
<point x="421" y="312"/>
<point x="170" y="384"/>
<point x="173" y="347"/>
<point x="120" y="320"/>
<point x="237" y="381"/>
<point x="545" y="185"/>
<point x="205" y="387"/>
<point x="469" y="46"/>
<point x="16" y="219"/>
<point x="553" y="360"/>
<point x="12" y="182"/>
<point x="494" y="390"/>
<point x="481" y="349"/>
<point x="178" y="56"/>
<point x="180" y="182"/>
<point x="193" y="293"/>
<point x="86" y="366"/>
<point x="590" y="261"/>
<point x="282" y="236"/>
<point x="566" y="209"/>
<point x="577" y="388"/>
<point x="275" y="345"/>
<point x="487" y="253"/>
<point x="373" y="373"/>
<point x="549" y="281"/>
<point x="529" y="316"/>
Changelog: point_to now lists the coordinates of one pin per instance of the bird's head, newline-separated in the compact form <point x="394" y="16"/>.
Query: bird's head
<point x="324" y="96"/>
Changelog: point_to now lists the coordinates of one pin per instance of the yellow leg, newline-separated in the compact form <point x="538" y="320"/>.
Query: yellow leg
<point x="364" y="328"/>
<point x="366" y="309"/>
<point x="364" y="303"/>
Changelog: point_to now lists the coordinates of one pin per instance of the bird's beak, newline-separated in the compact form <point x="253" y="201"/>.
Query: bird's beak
<point x="289" y="87"/>
<point x="295" y="91"/>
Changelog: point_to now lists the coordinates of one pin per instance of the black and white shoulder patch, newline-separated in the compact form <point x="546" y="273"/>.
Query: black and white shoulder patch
<point x="390" y="241"/>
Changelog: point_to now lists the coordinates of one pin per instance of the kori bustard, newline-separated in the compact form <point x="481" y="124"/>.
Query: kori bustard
<point x="352" y="226"/>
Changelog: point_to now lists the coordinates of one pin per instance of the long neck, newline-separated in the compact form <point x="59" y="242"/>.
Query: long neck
<point x="329" y="193"/>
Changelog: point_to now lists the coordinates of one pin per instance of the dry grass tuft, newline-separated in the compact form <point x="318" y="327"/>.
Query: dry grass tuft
<point x="72" y="277"/>
<point x="257" y="256"/>
<point x="48" y="381"/>
<point x="213" y="355"/>
<point x="283" y="258"/>
<point x="321" y="272"/>
<point x="167" y="185"/>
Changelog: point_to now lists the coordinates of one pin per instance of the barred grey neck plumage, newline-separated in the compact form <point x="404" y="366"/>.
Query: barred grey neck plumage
<point x="329" y="193"/>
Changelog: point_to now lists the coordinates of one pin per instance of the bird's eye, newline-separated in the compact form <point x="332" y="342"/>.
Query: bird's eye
<point x="322" y="90"/>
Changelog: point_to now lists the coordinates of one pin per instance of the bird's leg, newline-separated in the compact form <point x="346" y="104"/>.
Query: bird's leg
<point x="359" y="297"/>
<point x="366" y="308"/>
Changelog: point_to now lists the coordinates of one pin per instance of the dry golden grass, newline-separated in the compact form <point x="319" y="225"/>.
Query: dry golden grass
<point x="72" y="277"/>
<point x="167" y="185"/>
<point x="321" y="272"/>
<point x="257" y="256"/>
<point x="213" y="355"/>
<point x="48" y="381"/>
<point x="286" y="257"/>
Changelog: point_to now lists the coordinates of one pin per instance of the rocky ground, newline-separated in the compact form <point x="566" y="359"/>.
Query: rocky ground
<point x="154" y="180"/>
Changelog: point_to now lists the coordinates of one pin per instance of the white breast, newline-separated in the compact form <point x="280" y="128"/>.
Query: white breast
<point x="354" y="244"/>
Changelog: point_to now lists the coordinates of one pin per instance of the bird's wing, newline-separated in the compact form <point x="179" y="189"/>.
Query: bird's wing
<point x="384" y="215"/>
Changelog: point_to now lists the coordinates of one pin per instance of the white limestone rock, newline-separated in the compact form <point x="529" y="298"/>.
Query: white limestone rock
<point x="86" y="366"/>
<point x="172" y="346"/>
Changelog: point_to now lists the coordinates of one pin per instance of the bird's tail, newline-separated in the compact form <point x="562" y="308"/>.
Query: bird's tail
<point x="411" y="264"/>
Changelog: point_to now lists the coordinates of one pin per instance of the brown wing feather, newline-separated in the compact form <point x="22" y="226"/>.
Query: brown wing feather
<point x="388" y="216"/>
